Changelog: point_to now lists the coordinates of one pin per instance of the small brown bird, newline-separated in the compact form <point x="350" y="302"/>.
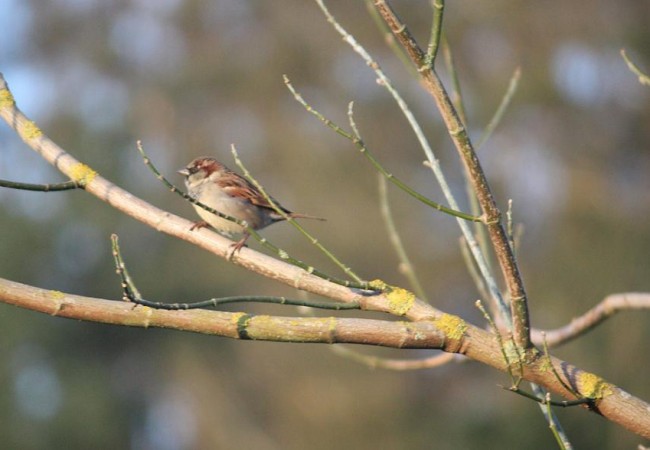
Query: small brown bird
<point x="218" y="187"/>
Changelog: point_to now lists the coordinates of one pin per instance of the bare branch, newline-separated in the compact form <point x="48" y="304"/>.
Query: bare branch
<point x="168" y="223"/>
<point x="436" y="32"/>
<point x="643" y="78"/>
<point x="238" y="325"/>
<point x="432" y="161"/>
<point x="405" y="265"/>
<point x="460" y="137"/>
<point x="446" y="332"/>
<point x="593" y="317"/>
<point x="375" y="362"/>
<point x="51" y="187"/>
<point x="132" y="294"/>
<point x="356" y="139"/>
<point x="503" y="106"/>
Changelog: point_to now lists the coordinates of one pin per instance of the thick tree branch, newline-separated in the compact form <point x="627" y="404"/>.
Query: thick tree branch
<point x="239" y="325"/>
<point x="447" y="332"/>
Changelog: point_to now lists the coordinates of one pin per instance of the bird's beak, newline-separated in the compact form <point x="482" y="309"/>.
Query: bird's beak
<point x="184" y="172"/>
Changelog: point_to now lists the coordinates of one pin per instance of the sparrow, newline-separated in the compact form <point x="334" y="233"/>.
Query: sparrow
<point x="216" y="186"/>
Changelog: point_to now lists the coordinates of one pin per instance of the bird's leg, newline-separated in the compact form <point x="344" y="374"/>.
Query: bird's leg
<point x="198" y="225"/>
<point x="237" y="246"/>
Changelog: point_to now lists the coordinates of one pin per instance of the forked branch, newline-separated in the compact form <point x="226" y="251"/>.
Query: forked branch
<point x="462" y="142"/>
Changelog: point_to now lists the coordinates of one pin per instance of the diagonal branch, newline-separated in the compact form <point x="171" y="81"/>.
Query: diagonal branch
<point x="391" y="302"/>
<point x="592" y="318"/>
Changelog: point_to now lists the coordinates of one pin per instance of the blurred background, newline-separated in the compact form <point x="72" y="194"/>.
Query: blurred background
<point x="191" y="77"/>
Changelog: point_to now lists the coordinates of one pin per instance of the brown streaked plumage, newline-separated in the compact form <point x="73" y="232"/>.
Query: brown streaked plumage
<point x="218" y="187"/>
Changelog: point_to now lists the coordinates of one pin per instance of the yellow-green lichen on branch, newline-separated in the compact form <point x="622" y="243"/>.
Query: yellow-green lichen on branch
<point x="511" y="352"/>
<point x="270" y="328"/>
<point x="312" y="329"/>
<point x="592" y="386"/>
<point x="400" y="300"/>
<point x="30" y="130"/>
<point x="141" y="318"/>
<point x="6" y="99"/>
<point x="452" y="326"/>
<point x="57" y="295"/>
<point x="378" y="285"/>
<point x="546" y="365"/>
<point x="82" y="174"/>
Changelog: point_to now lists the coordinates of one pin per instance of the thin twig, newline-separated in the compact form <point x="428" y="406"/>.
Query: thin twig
<point x="593" y="317"/>
<point x="53" y="187"/>
<point x="431" y="159"/>
<point x="497" y="334"/>
<point x="470" y="265"/>
<point x="643" y="78"/>
<point x="129" y="291"/>
<point x="375" y="362"/>
<point x="132" y="294"/>
<point x="555" y="426"/>
<point x="547" y="355"/>
<point x="214" y="302"/>
<point x="560" y="403"/>
<point x="358" y="142"/>
<point x="346" y="269"/>
<point x="503" y="106"/>
<point x="406" y="267"/>
<point x="554" y="423"/>
<point x="436" y="32"/>
<point x="384" y="81"/>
